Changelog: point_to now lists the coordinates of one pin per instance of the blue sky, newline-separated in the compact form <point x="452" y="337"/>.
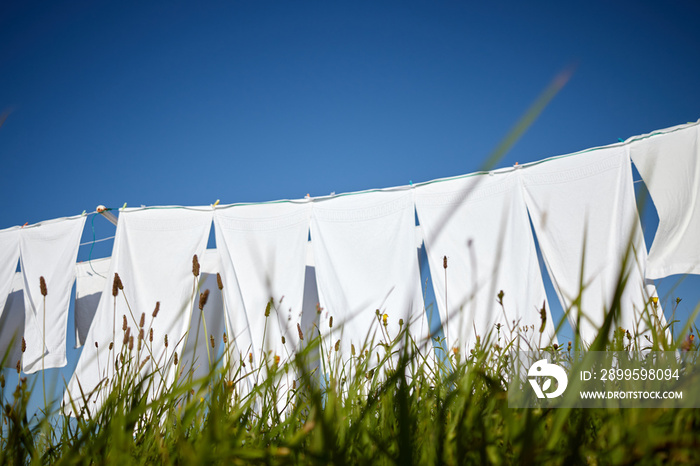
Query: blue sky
<point x="181" y="103"/>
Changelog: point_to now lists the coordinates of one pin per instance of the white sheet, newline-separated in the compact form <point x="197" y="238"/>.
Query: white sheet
<point x="584" y="213"/>
<point x="9" y="255"/>
<point x="152" y="254"/>
<point x="481" y="224"/>
<point x="263" y="251"/>
<point x="366" y="260"/>
<point x="12" y="323"/>
<point x="48" y="250"/>
<point x="669" y="163"/>
<point x="90" y="281"/>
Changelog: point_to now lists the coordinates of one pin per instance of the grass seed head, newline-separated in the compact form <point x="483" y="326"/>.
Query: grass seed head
<point x="219" y="282"/>
<point x="124" y="323"/>
<point x="42" y="286"/>
<point x="301" y="334"/>
<point x="211" y="338"/>
<point x="142" y="322"/>
<point x="225" y="338"/>
<point x="24" y="345"/>
<point x="203" y="297"/>
<point x="195" y="266"/>
<point x="157" y="309"/>
<point x="150" y="335"/>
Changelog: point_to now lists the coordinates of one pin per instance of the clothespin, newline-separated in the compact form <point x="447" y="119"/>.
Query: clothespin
<point x="410" y="182"/>
<point x="25" y="224"/>
<point x="124" y="206"/>
<point x="83" y="214"/>
<point x="620" y="139"/>
<point x="308" y="196"/>
<point x="216" y="203"/>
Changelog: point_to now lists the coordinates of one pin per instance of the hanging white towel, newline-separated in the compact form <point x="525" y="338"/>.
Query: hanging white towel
<point x="153" y="251"/>
<point x="366" y="261"/>
<point x="89" y="282"/>
<point x="480" y="224"/>
<point x="48" y="250"/>
<point x="584" y="213"/>
<point x="669" y="163"/>
<point x="263" y="259"/>
<point x="12" y="323"/>
<point x="9" y="255"/>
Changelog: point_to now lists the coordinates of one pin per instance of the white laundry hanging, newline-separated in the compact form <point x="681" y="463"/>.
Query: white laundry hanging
<point x="478" y="226"/>
<point x="669" y="162"/>
<point x="90" y="279"/>
<point x="153" y="252"/>
<point x="12" y="323"/>
<point x="263" y="250"/>
<point x="366" y="261"/>
<point x="49" y="250"/>
<point x="9" y="255"/>
<point x="584" y="213"/>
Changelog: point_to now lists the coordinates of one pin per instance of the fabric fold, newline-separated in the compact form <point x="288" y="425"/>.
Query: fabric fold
<point x="367" y="268"/>
<point x="153" y="256"/>
<point x="479" y="243"/>
<point x="9" y="256"/>
<point x="48" y="250"/>
<point x="669" y="162"/>
<point x="90" y="279"/>
<point x="585" y="217"/>
<point x="12" y="323"/>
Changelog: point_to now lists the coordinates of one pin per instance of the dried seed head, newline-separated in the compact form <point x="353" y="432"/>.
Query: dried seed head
<point x="211" y="339"/>
<point x="118" y="281"/>
<point x="250" y="357"/>
<point x="301" y="334"/>
<point x="140" y="334"/>
<point x="126" y="335"/>
<point x="157" y="309"/>
<point x="219" y="282"/>
<point x="18" y="366"/>
<point x="175" y="358"/>
<point x="150" y="335"/>
<point x="352" y="349"/>
<point x="225" y="338"/>
<point x="330" y="322"/>
<point x="267" y="308"/>
<point x="142" y="322"/>
<point x="131" y="343"/>
<point x="111" y="345"/>
<point x="195" y="266"/>
<point x="115" y="288"/>
<point x="2" y="380"/>
<point x="203" y="297"/>
<point x="42" y="286"/>
<point x="124" y="323"/>
<point x="166" y="340"/>
<point x="96" y="345"/>
<point x="337" y="346"/>
<point x="24" y="345"/>
<point x="294" y="384"/>
<point x="143" y="363"/>
<point x="444" y="262"/>
<point x="283" y="340"/>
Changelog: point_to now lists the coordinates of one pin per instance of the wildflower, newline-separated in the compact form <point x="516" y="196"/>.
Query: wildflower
<point x="42" y="286"/>
<point x="166" y="340"/>
<point x="569" y="347"/>
<point x="301" y="334"/>
<point x="687" y="344"/>
<point x="156" y="310"/>
<point x="455" y="350"/>
<point x="226" y="338"/>
<point x="384" y="319"/>
<point x="337" y="346"/>
<point x="24" y="345"/>
<point x="203" y="297"/>
<point x="142" y="322"/>
<point x="219" y="282"/>
<point x="277" y="359"/>
<point x="318" y="308"/>
<point x="330" y="322"/>
<point x="195" y="266"/>
<point x="211" y="338"/>
<point x="124" y="323"/>
<point x="555" y="346"/>
<point x="250" y="357"/>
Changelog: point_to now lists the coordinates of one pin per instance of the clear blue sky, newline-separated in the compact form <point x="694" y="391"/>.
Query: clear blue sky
<point x="177" y="103"/>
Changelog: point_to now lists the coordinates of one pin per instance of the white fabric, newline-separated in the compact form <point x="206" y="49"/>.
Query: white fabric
<point x="366" y="260"/>
<point x="584" y="213"/>
<point x="9" y="255"/>
<point x="153" y="250"/>
<point x="89" y="282"/>
<point x="12" y="323"/>
<point x="263" y="257"/>
<point x="669" y="163"/>
<point x="481" y="224"/>
<point x="48" y="250"/>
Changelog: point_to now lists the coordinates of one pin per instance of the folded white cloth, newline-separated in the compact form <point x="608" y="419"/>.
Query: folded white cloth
<point x="49" y="250"/>
<point x="479" y="225"/>
<point x="12" y="323"/>
<point x="263" y="250"/>
<point x="669" y="162"/>
<point x="153" y="252"/>
<point x="585" y="217"/>
<point x="9" y="255"/>
<point x="366" y="262"/>
<point x="90" y="279"/>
